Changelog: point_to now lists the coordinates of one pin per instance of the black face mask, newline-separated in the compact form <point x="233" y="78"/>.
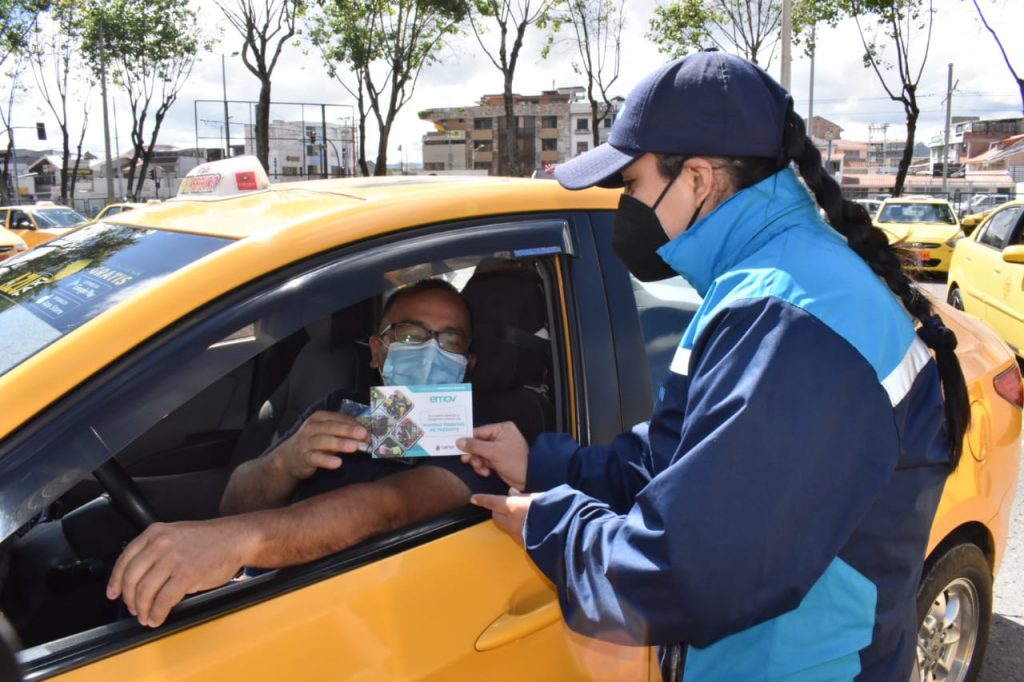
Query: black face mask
<point x="637" y="236"/>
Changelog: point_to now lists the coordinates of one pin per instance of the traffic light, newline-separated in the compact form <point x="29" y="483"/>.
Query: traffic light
<point x="41" y="131"/>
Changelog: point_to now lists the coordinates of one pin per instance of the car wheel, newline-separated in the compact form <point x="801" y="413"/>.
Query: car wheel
<point x="954" y="610"/>
<point x="956" y="299"/>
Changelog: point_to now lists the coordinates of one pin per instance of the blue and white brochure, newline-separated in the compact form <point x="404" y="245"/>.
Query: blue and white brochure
<point x="419" y="421"/>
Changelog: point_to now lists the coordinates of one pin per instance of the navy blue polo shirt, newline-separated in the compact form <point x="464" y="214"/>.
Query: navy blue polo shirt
<point x="360" y="467"/>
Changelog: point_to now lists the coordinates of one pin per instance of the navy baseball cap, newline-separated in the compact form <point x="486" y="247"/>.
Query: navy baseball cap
<point x="705" y="104"/>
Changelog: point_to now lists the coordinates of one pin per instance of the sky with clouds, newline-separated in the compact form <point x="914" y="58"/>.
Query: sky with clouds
<point x="844" y="91"/>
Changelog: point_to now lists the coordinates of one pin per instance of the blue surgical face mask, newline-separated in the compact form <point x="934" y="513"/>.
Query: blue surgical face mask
<point x="426" y="363"/>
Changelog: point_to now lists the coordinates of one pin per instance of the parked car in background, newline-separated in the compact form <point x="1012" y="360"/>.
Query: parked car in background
<point x="10" y="244"/>
<point x="113" y="209"/>
<point x="986" y="277"/>
<point x="969" y="222"/>
<point x="924" y="226"/>
<point x="872" y="205"/>
<point x="981" y="203"/>
<point x="40" y="222"/>
<point x="136" y="357"/>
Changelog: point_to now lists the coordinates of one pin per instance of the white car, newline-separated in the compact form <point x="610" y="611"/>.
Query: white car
<point x="872" y="205"/>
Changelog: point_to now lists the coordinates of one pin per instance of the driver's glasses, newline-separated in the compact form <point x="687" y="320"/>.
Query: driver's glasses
<point x="415" y="334"/>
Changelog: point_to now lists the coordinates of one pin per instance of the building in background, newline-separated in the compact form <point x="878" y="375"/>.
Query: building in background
<point x="550" y="128"/>
<point x="971" y="137"/>
<point x="302" y="150"/>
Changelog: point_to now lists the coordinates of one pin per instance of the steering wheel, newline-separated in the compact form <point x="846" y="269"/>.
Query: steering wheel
<point x="125" y="494"/>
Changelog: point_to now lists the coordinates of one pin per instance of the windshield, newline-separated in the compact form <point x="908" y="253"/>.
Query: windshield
<point x="59" y="286"/>
<point x="59" y="217"/>
<point x="917" y="213"/>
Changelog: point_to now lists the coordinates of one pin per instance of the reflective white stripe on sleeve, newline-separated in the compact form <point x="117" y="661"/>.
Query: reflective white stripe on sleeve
<point x="681" y="361"/>
<point x="899" y="381"/>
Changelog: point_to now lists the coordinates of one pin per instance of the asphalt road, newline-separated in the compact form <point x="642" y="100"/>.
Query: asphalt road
<point x="1005" y="659"/>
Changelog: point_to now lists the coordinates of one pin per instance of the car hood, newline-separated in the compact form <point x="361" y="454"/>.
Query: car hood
<point x="919" y="232"/>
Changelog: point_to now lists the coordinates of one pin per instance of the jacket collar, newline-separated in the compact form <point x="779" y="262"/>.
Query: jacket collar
<point x="739" y="227"/>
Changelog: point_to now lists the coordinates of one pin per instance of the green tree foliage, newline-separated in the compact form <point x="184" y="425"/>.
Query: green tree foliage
<point x="265" y="27"/>
<point x="8" y="167"/>
<point x="17" y="20"/>
<point x="377" y="50"/>
<point x="749" y="28"/>
<point x="511" y="18"/>
<point x="147" y="48"/>
<point x="896" y="35"/>
<point x="57" y="66"/>
<point x="594" y="30"/>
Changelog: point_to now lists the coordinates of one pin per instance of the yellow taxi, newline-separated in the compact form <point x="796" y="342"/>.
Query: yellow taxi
<point x="986" y="277"/>
<point x="926" y="227"/>
<point x="111" y="210"/>
<point x="138" y="356"/>
<point x="10" y="244"/>
<point x="40" y="222"/>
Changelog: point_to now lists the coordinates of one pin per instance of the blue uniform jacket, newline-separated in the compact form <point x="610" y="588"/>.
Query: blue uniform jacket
<point x="774" y="512"/>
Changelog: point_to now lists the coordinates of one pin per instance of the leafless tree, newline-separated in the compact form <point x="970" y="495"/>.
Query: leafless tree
<point x="265" y="27"/>
<point x="512" y="17"/>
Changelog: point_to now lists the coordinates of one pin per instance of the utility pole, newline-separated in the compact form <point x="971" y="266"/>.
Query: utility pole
<point x="787" y="41"/>
<point x="945" y="142"/>
<point x="227" y="126"/>
<point x="810" y="94"/>
<point x="108" y="166"/>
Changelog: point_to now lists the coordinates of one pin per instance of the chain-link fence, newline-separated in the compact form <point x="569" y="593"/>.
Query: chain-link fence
<point x="305" y="140"/>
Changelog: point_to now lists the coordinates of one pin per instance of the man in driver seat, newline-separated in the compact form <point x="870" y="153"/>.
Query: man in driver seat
<point x="313" y="492"/>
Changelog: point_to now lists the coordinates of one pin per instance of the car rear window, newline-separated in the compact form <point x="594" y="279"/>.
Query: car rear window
<point x="917" y="213"/>
<point x="59" y="217"/>
<point x="57" y="287"/>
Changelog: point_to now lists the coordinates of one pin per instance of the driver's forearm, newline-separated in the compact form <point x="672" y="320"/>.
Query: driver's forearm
<point x="261" y="483"/>
<point x="338" y="519"/>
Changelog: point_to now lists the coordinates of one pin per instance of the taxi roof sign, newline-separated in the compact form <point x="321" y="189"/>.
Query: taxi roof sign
<point x="222" y="179"/>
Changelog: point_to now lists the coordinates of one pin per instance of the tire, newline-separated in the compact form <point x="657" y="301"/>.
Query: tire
<point x="955" y="298"/>
<point x="954" y="611"/>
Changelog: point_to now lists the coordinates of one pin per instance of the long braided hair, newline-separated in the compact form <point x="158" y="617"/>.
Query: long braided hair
<point x="870" y="243"/>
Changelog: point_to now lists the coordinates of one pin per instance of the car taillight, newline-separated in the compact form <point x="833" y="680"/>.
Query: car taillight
<point x="1008" y="385"/>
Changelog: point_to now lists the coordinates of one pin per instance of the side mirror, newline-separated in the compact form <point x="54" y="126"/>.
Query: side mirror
<point x="23" y="224"/>
<point x="10" y="669"/>
<point x="1013" y="254"/>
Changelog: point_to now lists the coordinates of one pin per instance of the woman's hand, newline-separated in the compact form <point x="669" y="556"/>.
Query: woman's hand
<point x="499" y="447"/>
<point x="509" y="512"/>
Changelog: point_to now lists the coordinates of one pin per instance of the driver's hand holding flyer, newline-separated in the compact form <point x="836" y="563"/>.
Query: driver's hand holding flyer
<point x="417" y="421"/>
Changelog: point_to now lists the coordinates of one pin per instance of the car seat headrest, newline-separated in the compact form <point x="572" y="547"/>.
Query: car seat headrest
<point x="510" y="338"/>
<point x="343" y="326"/>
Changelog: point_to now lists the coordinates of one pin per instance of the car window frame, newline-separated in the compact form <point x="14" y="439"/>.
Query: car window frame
<point x="1017" y="233"/>
<point x="521" y="236"/>
<point x="986" y="229"/>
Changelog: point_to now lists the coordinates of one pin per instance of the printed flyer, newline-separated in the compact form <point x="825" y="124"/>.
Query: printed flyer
<point x="419" y="421"/>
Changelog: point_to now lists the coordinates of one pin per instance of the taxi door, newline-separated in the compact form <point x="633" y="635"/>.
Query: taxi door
<point x="1011" y="286"/>
<point x="1001" y="280"/>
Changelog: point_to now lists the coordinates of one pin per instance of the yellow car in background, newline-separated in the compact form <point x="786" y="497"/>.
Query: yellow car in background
<point x="40" y="222"/>
<point x="137" y="357"/>
<point x="926" y="227"/>
<point x="987" y="274"/>
<point x="10" y="244"/>
<point x="113" y="209"/>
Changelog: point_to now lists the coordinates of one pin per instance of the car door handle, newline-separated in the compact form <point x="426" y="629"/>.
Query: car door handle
<point x="512" y="626"/>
